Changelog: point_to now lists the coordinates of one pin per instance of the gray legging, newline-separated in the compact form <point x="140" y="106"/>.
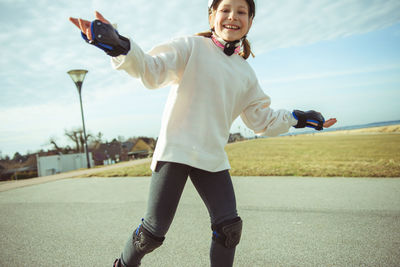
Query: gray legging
<point x="167" y="183"/>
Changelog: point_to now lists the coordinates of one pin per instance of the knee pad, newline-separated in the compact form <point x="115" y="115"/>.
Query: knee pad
<point x="145" y="242"/>
<point x="228" y="232"/>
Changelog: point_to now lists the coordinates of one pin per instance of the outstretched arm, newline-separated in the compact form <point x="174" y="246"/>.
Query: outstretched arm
<point x="161" y="66"/>
<point x="264" y="121"/>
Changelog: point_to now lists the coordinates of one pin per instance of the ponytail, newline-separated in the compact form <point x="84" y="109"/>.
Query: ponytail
<point x="246" y="49"/>
<point x="246" y="44"/>
<point x="206" y="34"/>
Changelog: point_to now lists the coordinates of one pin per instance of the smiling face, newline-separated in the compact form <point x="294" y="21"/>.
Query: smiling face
<point x="231" y="20"/>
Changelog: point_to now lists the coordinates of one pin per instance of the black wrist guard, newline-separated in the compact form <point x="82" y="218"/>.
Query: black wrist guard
<point x="309" y="118"/>
<point x="108" y="39"/>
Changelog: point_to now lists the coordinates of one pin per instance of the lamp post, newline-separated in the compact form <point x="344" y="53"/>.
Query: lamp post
<point x="78" y="76"/>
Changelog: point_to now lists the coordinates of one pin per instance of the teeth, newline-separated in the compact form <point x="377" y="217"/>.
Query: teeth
<point x="231" y="27"/>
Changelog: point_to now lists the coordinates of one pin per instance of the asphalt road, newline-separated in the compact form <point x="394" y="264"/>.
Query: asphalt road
<point x="287" y="222"/>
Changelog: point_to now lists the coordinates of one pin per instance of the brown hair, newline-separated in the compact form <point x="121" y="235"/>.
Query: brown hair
<point x="245" y="43"/>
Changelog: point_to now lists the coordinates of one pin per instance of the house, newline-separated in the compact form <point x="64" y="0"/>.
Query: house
<point x="106" y="153"/>
<point x="115" y="151"/>
<point x="141" y="149"/>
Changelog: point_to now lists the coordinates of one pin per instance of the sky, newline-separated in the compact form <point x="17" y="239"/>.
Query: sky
<point x="339" y="57"/>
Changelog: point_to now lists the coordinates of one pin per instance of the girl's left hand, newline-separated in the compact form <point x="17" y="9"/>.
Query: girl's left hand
<point x="326" y="124"/>
<point x="329" y="123"/>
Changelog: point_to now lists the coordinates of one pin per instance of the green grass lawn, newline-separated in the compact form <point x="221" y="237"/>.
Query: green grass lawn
<point x="347" y="155"/>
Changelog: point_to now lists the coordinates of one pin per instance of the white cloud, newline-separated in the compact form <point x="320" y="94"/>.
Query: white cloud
<point x="287" y="23"/>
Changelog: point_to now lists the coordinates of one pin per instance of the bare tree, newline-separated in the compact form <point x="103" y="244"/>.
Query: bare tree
<point x="76" y="135"/>
<point x="52" y="141"/>
<point x="99" y="137"/>
<point x="96" y="140"/>
<point x="73" y="136"/>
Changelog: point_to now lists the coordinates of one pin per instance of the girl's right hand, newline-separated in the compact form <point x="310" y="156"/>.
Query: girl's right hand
<point x="84" y="25"/>
<point x="106" y="37"/>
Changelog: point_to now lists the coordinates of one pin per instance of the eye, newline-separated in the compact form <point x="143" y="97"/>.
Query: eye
<point x="242" y="11"/>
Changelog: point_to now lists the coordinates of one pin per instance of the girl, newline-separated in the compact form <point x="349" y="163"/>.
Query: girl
<point x="211" y="85"/>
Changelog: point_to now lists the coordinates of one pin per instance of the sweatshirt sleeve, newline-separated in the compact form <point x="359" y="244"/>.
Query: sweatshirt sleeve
<point x="162" y="66"/>
<point x="261" y="118"/>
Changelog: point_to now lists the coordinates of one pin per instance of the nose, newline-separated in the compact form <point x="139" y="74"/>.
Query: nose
<point x="232" y="15"/>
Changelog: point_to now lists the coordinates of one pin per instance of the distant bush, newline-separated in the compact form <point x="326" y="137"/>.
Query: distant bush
<point x="24" y="175"/>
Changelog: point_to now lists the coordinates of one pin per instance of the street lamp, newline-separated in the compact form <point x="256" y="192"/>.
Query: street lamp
<point x="78" y="76"/>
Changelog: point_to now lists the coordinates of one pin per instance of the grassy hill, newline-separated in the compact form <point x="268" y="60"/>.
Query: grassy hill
<point x="357" y="153"/>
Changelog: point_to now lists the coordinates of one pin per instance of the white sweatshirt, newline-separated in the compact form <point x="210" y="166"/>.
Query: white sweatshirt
<point x="209" y="90"/>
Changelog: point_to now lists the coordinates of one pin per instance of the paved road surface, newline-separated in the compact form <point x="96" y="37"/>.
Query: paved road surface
<point x="287" y="222"/>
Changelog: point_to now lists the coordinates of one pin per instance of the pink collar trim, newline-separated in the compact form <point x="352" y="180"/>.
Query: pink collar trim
<point x="219" y="44"/>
